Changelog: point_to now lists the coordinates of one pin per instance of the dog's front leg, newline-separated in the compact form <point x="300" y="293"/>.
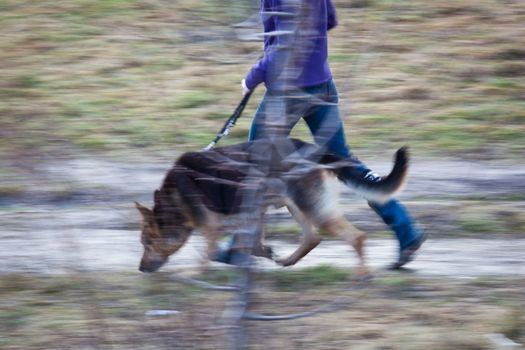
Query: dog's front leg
<point x="210" y="251"/>
<point x="260" y="249"/>
<point x="309" y="239"/>
<point x="212" y="237"/>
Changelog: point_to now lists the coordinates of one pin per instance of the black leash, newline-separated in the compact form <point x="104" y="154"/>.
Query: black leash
<point x="230" y="122"/>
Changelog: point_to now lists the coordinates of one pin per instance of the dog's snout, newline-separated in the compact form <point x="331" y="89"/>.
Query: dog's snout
<point x="151" y="265"/>
<point x="148" y="268"/>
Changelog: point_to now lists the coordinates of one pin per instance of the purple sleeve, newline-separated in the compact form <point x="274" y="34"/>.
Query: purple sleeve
<point x="332" y="17"/>
<point x="257" y="73"/>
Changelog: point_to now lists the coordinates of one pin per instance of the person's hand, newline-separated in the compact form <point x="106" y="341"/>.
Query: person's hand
<point x="245" y="89"/>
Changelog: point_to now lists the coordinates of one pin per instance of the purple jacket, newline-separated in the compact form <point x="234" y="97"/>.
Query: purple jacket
<point x="313" y="66"/>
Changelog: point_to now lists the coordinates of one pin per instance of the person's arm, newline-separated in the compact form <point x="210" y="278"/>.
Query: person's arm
<point x="332" y="16"/>
<point x="258" y="72"/>
<point x="256" y="75"/>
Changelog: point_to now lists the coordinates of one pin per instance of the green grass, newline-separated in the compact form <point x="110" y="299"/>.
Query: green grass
<point x="291" y="230"/>
<point x="193" y="99"/>
<point x="318" y="277"/>
<point x="397" y="281"/>
<point x="96" y="310"/>
<point x="513" y="324"/>
<point x="110" y="63"/>
<point x="488" y="216"/>
<point x="480" y="225"/>
<point x="11" y="190"/>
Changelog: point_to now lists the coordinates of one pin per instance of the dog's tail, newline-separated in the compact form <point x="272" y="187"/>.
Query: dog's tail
<point x="370" y="186"/>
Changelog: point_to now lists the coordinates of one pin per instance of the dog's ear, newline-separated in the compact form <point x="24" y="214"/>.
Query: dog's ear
<point x="146" y="213"/>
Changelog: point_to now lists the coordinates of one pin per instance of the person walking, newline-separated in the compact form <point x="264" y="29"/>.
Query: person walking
<point x="299" y="84"/>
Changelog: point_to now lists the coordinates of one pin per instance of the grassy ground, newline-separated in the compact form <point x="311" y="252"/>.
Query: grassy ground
<point x="450" y="218"/>
<point x="156" y="75"/>
<point x="395" y="312"/>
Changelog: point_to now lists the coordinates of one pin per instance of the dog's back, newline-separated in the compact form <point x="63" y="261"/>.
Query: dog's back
<point x="219" y="177"/>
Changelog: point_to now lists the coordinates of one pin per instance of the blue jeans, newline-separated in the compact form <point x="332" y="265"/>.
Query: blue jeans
<point x="318" y="107"/>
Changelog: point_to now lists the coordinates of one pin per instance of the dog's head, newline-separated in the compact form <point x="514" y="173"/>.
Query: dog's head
<point x="164" y="231"/>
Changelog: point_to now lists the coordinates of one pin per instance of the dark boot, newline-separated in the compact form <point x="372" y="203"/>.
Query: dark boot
<point x="410" y="238"/>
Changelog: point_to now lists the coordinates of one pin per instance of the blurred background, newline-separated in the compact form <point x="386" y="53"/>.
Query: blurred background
<point x="98" y="97"/>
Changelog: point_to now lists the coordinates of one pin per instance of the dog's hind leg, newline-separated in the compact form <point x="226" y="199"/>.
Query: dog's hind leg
<point x="309" y="239"/>
<point x="339" y="226"/>
<point x="260" y="249"/>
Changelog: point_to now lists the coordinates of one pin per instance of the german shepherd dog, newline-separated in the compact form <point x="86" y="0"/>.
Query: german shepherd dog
<point x="228" y="187"/>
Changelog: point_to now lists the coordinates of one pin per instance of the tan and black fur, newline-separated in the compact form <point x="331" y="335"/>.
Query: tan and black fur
<point x="213" y="191"/>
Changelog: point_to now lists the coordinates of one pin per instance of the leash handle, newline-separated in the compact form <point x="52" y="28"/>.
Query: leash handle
<point x="230" y="122"/>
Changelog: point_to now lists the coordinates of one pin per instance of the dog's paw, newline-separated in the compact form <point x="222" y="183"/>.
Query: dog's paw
<point x="284" y="262"/>
<point x="264" y="251"/>
<point x="363" y="273"/>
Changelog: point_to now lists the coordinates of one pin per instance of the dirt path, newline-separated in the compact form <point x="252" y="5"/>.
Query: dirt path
<point x="51" y="241"/>
<point x="63" y="250"/>
<point x="89" y="222"/>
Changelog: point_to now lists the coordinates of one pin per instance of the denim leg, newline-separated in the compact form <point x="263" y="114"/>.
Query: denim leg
<point x="395" y="215"/>
<point x="324" y="122"/>
<point x="225" y="255"/>
<point x="271" y="119"/>
<point x="327" y="129"/>
<point x="277" y="114"/>
<point x="257" y="126"/>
